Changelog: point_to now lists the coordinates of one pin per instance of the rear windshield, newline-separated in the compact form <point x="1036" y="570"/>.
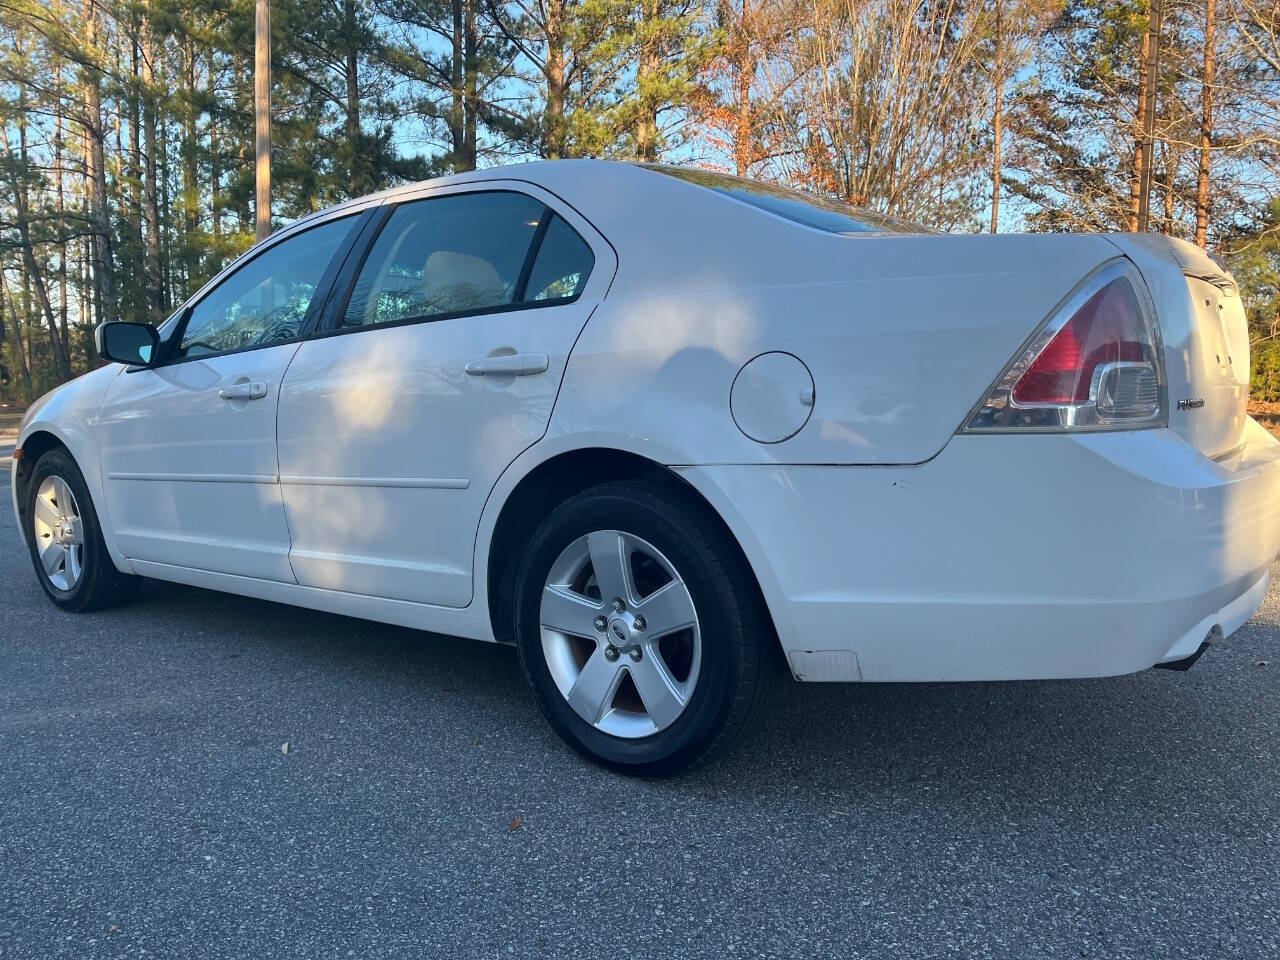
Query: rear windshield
<point x="822" y="213"/>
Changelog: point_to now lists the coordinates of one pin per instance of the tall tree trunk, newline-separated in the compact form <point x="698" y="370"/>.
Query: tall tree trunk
<point x="471" y="81"/>
<point x="1206" y="125"/>
<point x="190" y="171"/>
<point x="647" y="73"/>
<point x="215" y="154"/>
<point x="743" y="63"/>
<point x="1149" y="118"/>
<point x="553" y="110"/>
<point x="19" y="352"/>
<point x="57" y="345"/>
<point x="361" y="180"/>
<point x="997" y="122"/>
<point x="128" y="185"/>
<point x="103" y="255"/>
<point x="165" y="211"/>
<point x="457" y="97"/>
<point x="1139" y="131"/>
<point x="85" y="299"/>
<point x="130" y="189"/>
<point x="262" y="118"/>
<point x="59" y="202"/>
<point x="150" y="209"/>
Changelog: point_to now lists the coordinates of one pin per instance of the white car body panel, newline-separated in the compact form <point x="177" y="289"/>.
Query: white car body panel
<point x="1206" y="339"/>
<point x="887" y="547"/>
<point x="190" y="477"/>
<point x="885" y="351"/>
<point x="389" y="449"/>
<point x="1007" y="557"/>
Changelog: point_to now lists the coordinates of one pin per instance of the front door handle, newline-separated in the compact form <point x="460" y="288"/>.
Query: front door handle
<point x="246" y="390"/>
<point x="508" y="365"/>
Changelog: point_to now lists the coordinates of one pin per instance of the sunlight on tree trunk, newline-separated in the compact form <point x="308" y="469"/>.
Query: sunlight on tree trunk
<point x="1206" y="126"/>
<point x="262" y="117"/>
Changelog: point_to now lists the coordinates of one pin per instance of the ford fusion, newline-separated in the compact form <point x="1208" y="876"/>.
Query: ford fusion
<point x="665" y="430"/>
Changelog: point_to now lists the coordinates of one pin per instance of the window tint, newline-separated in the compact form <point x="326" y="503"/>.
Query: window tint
<point x="563" y="263"/>
<point x="822" y="213"/>
<point x="266" y="300"/>
<point x="445" y="255"/>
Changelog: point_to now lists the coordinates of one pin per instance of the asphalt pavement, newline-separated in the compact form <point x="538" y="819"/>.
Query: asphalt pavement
<point x="150" y="808"/>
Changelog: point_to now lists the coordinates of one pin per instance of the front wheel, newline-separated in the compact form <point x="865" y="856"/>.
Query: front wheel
<point x="640" y="629"/>
<point x="65" y="539"/>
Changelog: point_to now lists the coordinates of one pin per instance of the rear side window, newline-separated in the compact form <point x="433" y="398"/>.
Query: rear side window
<point x="821" y="213"/>
<point x="466" y="253"/>
<point x="562" y="266"/>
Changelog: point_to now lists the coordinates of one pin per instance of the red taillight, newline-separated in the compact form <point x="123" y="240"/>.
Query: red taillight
<point x="1108" y="329"/>
<point x="1095" y="364"/>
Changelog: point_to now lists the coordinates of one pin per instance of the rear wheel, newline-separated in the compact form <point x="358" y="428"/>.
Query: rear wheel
<point x="640" y="630"/>
<point x="65" y="539"/>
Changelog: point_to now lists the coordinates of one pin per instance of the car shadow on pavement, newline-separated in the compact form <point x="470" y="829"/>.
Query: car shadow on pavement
<point x="1049" y="744"/>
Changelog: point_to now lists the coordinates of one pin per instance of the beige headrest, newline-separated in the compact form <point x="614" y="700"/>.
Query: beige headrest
<point x="446" y="270"/>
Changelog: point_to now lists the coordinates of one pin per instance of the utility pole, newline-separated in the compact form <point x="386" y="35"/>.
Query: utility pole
<point x="1149" y="120"/>
<point x="262" y="115"/>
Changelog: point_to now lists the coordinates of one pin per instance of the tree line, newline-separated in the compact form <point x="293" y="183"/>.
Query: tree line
<point x="127" y="158"/>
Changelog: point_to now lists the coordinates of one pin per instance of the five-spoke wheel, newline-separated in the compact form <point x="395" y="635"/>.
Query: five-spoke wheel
<point x="620" y="633"/>
<point x="640" y="629"/>
<point x="58" y="532"/>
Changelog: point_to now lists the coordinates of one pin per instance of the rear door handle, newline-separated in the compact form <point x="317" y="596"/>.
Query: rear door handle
<point x="509" y="365"/>
<point x="248" y="390"/>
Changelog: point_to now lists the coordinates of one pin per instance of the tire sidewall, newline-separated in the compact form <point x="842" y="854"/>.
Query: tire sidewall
<point x="680" y="536"/>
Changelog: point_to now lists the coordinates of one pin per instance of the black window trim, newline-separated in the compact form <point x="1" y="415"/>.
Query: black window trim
<point x="531" y="255"/>
<point x="330" y="324"/>
<point x="360" y="221"/>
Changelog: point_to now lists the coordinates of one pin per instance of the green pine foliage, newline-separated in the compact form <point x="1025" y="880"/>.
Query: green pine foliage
<point x="127" y="163"/>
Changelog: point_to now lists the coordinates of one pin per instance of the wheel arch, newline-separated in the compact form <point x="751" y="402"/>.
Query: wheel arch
<point x="34" y="445"/>
<point x="552" y="481"/>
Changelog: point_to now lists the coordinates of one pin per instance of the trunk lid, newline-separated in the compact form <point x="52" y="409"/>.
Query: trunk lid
<point x="1206" y="339"/>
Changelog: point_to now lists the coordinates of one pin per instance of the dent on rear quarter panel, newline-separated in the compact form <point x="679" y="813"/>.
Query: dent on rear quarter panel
<point x="902" y="334"/>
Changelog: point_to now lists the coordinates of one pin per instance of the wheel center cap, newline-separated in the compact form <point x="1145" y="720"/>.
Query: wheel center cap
<point x="620" y="629"/>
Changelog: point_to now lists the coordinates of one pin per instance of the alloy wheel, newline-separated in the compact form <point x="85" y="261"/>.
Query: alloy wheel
<point x="59" y="533"/>
<point x="620" y="634"/>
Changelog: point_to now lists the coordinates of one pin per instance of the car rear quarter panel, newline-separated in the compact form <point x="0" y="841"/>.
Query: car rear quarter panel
<point x="902" y="336"/>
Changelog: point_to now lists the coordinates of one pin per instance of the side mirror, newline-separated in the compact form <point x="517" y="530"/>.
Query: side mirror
<point x="134" y="344"/>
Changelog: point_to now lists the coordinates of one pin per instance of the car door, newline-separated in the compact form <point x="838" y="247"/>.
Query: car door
<point x="437" y="370"/>
<point x="189" y="446"/>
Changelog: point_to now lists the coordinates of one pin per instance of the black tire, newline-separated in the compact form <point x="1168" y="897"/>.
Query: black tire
<point x="739" y="662"/>
<point x="100" y="584"/>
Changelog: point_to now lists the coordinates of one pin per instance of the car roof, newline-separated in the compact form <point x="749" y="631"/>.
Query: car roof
<point x="548" y="174"/>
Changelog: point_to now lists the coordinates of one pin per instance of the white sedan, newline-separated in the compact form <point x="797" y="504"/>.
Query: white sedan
<point x="658" y="426"/>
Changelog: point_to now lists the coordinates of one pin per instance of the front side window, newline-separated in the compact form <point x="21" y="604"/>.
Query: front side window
<point x="266" y="300"/>
<point x="445" y="256"/>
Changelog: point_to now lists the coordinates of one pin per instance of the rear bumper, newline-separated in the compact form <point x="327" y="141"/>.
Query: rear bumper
<point x="1008" y="557"/>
